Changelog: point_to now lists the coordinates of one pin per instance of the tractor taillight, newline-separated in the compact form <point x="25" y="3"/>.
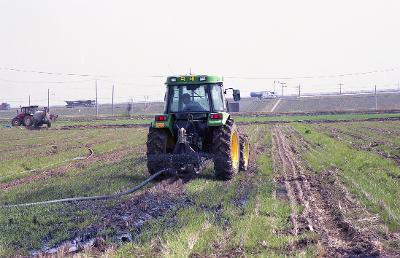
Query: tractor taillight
<point x="216" y="116"/>
<point x="161" y="118"/>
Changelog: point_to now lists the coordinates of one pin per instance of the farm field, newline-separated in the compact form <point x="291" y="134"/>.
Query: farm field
<point x="244" y="118"/>
<point x="313" y="189"/>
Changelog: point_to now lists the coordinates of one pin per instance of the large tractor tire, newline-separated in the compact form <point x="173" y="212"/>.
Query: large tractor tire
<point x="48" y="124"/>
<point x="16" y="121"/>
<point x="225" y="148"/>
<point x="244" y="152"/>
<point x="157" y="140"/>
<point x="28" y="121"/>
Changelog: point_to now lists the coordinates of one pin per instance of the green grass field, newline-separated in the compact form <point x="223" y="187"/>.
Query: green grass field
<point x="254" y="214"/>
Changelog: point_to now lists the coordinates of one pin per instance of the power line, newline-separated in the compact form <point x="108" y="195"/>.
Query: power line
<point x="45" y="82"/>
<point x="313" y="77"/>
<point x="50" y="73"/>
<point x="130" y="83"/>
<point x="162" y="76"/>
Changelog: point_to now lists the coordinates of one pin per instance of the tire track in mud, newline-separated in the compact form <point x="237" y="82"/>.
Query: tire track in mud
<point x="325" y="205"/>
<point x="292" y="177"/>
<point x="125" y="218"/>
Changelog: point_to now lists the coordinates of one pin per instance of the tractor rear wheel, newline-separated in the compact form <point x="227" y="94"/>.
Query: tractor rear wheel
<point x="244" y="152"/>
<point x="16" y="121"/>
<point x="28" y="121"/>
<point x="157" y="140"/>
<point x="226" y="150"/>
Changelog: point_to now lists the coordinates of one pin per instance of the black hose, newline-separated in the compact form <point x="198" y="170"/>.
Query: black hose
<point x="91" y="198"/>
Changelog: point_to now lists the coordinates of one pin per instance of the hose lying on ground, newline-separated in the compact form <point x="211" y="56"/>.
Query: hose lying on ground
<point x="91" y="198"/>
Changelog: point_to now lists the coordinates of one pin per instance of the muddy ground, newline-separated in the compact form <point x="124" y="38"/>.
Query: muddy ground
<point x="345" y="228"/>
<point x="121" y="222"/>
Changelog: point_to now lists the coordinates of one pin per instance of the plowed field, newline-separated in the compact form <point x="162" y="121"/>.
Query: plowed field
<point x="312" y="189"/>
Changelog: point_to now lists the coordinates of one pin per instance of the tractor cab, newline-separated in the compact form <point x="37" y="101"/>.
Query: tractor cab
<point x="29" y="110"/>
<point x="195" y="102"/>
<point x="197" y="95"/>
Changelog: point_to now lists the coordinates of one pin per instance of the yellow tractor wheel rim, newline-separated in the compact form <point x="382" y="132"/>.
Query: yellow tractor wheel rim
<point x="235" y="150"/>
<point x="246" y="153"/>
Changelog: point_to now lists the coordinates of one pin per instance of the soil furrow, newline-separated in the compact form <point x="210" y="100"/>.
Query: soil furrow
<point x="322" y="206"/>
<point x="362" y="141"/>
<point x="301" y="181"/>
<point x="279" y="159"/>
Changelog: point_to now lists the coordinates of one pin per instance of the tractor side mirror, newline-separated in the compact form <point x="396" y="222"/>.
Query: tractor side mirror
<point x="236" y="95"/>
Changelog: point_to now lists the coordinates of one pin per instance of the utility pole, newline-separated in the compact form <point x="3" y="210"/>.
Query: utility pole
<point x="340" y="88"/>
<point x="29" y="100"/>
<point x="97" y="106"/>
<point x="283" y="85"/>
<point x="299" y="90"/>
<point x="112" y="101"/>
<point x="376" y="100"/>
<point x="131" y="111"/>
<point x="48" y="100"/>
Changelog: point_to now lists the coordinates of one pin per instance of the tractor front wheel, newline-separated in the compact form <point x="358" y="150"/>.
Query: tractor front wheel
<point x="157" y="140"/>
<point x="16" y="122"/>
<point x="226" y="150"/>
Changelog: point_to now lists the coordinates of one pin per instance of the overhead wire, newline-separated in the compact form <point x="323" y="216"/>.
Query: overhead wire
<point x="113" y="80"/>
<point x="312" y="77"/>
<point x="101" y="77"/>
<point x="51" y="73"/>
<point x="45" y="82"/>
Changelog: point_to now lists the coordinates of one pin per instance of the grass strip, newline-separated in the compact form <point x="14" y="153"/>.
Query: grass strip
<point x="370" y="177"/>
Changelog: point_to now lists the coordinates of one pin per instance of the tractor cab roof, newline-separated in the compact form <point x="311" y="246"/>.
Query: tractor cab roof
<point x="193" y="79"/>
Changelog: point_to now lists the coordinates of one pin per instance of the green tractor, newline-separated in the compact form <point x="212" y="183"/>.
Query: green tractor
<point x="196" y="127"/>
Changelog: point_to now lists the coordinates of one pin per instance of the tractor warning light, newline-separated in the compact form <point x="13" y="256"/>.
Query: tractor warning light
<point x="161" y="118"/>
<point x="216" y="116"/>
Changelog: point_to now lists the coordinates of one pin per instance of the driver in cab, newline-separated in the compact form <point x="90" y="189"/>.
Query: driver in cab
<point x="191" y="105"/>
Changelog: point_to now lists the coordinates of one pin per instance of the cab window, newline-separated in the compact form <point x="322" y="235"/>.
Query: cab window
<point x="189" y="98"/>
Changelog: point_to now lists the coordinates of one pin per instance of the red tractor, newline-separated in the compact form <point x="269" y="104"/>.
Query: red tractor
<point x="31" y="116"/>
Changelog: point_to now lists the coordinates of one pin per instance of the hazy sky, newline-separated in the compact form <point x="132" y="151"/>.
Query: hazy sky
<point x="131" y="41"/>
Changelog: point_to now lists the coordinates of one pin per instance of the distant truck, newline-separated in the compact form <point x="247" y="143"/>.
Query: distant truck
<point x="264" y="95"/>
<point x="5" y="106"/>
<point x="80" y="103"/>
